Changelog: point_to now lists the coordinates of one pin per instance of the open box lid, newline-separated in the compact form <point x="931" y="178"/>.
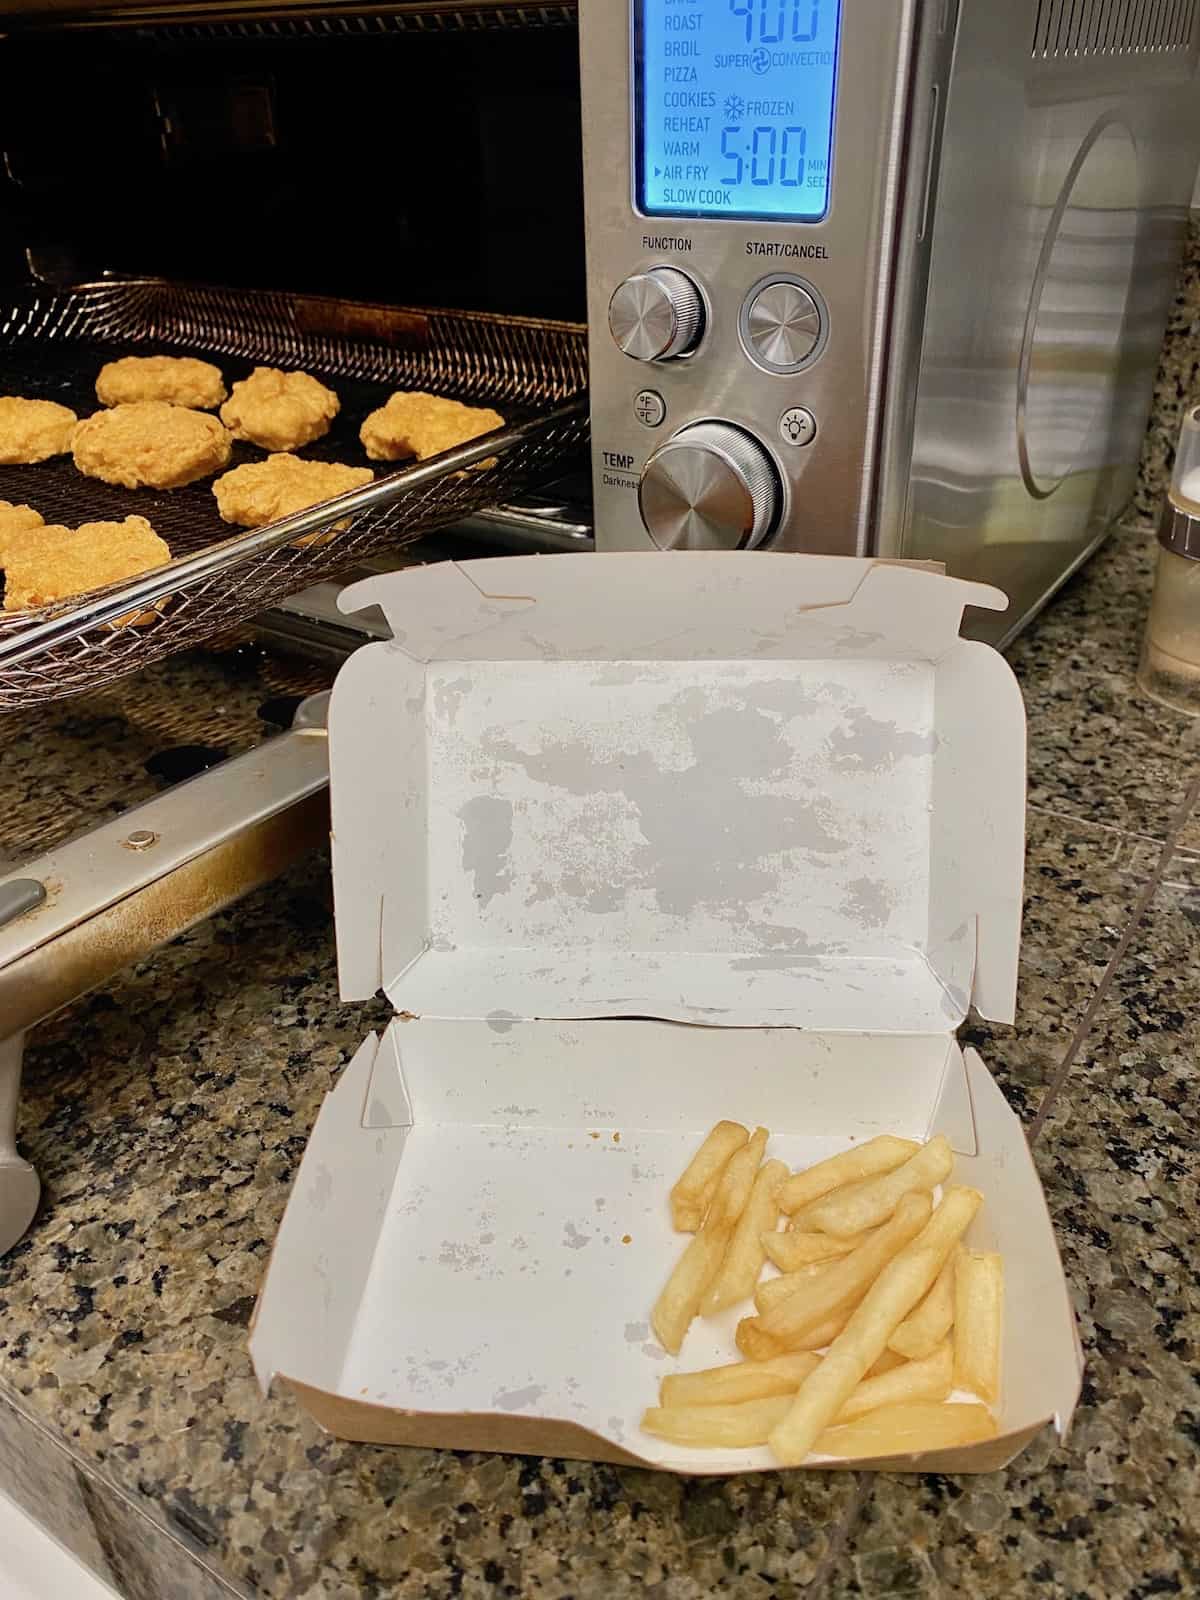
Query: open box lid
<point x="776" y="790"/>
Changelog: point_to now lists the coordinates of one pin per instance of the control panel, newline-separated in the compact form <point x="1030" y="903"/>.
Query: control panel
<point x="744" y="170"/>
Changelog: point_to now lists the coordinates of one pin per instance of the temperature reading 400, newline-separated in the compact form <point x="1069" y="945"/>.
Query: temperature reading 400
<point x="775" y="16"/>
<point x="775" y="156"/>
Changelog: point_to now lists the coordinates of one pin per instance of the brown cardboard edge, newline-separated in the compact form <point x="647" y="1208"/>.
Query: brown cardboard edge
<point x="502" y="1433"/>
<point x="505" y="1433"/>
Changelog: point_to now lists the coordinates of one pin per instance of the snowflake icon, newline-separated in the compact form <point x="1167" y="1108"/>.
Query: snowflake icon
<point x="735" y="108"/>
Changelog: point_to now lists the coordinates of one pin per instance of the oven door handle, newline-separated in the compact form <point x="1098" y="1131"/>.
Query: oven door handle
<point x="111" y="896"/>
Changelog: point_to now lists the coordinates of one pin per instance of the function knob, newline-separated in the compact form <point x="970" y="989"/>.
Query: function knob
<point x="656" y="315"/>
<point x="709" y="487"/>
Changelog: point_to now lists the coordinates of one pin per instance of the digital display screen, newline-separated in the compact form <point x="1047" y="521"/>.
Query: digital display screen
<point x="735" y="102"/>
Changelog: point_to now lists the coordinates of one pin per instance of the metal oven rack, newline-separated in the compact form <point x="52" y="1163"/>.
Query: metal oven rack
<point x="52" y="344"/>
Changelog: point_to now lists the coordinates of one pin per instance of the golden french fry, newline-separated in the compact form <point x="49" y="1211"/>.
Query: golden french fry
<point x="978" y="1323"/>
<point x="728" y="1426"/>
<point x="741" y="1380"/>
<point x="921" y="1332"/>
<point x="872" y="1202"/>
<point x="930" y="1379"/>
<point x="789" y="1251"/>
<point x="753" y="1343"/>
<point x="887" y="1361"/>
<point x="908" y="1430"/>
<point x="902" y="1283"/>
<point x="737" y="1181"/>
<point x="863" y="1161"/>
<point x="691" y="1195"/>
<point x="772" y="1290"/>
<point x="694" y="1271"/>
<point x="745" y="1257"/>
<point x="701" y="1261"/>
<point x="758" y="1346"/>
<point x="848" y="1279"/>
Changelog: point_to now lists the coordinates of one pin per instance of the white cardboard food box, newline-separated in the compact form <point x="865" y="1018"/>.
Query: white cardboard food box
<point x="634" y="843"/>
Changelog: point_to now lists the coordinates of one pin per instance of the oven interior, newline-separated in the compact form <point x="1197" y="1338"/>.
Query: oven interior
<point x="389" y="159"/>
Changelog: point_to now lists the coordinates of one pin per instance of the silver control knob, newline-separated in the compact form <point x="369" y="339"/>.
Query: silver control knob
<point x="656" y="314"/>
<point x="710" y="487"/>
<point x="781" y="326"/>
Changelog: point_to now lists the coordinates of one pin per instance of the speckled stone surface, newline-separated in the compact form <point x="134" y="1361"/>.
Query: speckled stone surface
<point x="1178" y="379"/>
<point x="167" y="1115"/>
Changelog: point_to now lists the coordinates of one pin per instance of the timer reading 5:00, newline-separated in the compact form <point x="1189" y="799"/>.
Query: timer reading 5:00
<point x="775" y="155"/>
<point x="774" y="16"/>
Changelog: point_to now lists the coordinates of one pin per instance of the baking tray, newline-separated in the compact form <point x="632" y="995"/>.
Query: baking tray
<point x="53" y="343"/>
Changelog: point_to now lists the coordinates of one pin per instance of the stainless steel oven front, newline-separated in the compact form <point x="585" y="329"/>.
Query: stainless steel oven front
<point x="746" y="172"/>
<point x="880" y="276"/>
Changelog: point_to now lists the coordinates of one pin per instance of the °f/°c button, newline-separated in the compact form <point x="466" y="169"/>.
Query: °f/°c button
<point x="797" y="426"/>
<point x="649" y="408"/>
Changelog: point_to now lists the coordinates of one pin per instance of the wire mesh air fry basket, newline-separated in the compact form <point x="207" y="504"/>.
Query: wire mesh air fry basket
<point x="53" y="343"/>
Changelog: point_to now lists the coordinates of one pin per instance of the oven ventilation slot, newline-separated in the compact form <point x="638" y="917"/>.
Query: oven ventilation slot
<point x="1089" y="28"/>
<point x="183" y="22"/>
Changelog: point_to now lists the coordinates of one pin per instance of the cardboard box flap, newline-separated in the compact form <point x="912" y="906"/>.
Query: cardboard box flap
<point x="326" y="1241"/>
<point x="751" y="793"/>
<point x="651" y="606"/>
<point x="520" y="1308"/>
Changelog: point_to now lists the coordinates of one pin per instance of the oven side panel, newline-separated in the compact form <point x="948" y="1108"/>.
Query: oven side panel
<point x="1068" y="158"/>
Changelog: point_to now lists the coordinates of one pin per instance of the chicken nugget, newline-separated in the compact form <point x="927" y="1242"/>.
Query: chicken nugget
<point x="279" y="410"/>
<point x="263" y="491"/>
<point x="423" y="425"/>
<point x="52" y="562"/>
<point x="33" y="430"/>
<point x="182" y="380"/>
<point x="16" y="521"/>
<point x="150" y="444"/>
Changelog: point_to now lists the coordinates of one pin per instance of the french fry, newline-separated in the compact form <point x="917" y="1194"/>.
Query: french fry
<point x="924" y="1329"/>
<point x="872" y="1203"/>
<point x="724" y="1426"/>
<point x="886" y="1362"/>
<point x="902" y="1283"/>
<point x="745" y="1257"/>
<point x="748" y="1419"/>
<point x="878" y="1155"/>
<point x="848" y="1279"/>
<point x="930" y="1379"/>
<point x="694" y="1271"/>
<point x="789" y="1251"/>
<point x="737" y="1181"/>
<point x="701" y="1261"/>
<point x="772" y="1290"/>
<point x="741" y="1380"/>
<point x="978" y="1323"/>
<point x="695" y="1188"/>
<point x="907" y="1430"/>
<point x="758" y="1346"/>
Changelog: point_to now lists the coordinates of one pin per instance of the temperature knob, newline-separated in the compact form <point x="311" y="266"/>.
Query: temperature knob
<point x="710" y="487"/>
<point x="656" y="315"/>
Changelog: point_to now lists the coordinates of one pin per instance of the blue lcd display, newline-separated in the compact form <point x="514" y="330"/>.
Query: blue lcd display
<point x="735" y="103"/>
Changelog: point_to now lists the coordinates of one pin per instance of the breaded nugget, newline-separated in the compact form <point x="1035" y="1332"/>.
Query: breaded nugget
<point x="151" y="444"/>
<point x="15" y="521"/>
<point x="33" y="430"/>
<point x="51" y="562"/>
<point x="279" y="410"/>
<point x="423" y="425"/>
<point x="263" y="491"/>
<point x="182" y="380"/>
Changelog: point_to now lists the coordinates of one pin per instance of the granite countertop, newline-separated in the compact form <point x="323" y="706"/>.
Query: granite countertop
<point x="167" y="1115"/>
